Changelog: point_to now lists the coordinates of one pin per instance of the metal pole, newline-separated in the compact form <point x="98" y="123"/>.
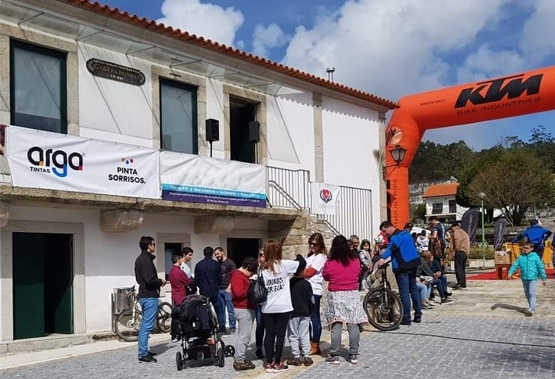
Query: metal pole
<point x="483" y="230"/>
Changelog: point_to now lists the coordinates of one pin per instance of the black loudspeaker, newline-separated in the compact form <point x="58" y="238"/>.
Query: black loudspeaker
<point x="212" y="130"/>
<point x="254" y="131"/>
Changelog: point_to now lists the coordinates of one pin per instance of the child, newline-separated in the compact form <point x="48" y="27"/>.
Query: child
<point x="244" y="311"/>
<point x="531" y="267"/>
<point x="299" y="324"/>
<point x="179" y="282"/>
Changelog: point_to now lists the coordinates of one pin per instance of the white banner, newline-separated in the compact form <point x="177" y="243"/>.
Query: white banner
<point x="39" y="159"/>
<point x="324" y="198"/>
<point x="206" y="180"/>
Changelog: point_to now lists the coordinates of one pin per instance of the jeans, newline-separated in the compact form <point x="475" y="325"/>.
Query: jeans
<point x="423" y="290"/>
<point x="460" y="267"/>
<point x="539" y="250"/>
<point x="259" y="332"/>
<point x="315" y="319"/>
<point x="406" y="281"/>
<point x="298" y="328"/>
<point x="530" y="292"/>
<point x="224" y="300"/>
<point x="245" y="319"/>
<point x="354" y="338"/>
<point x="149" y="306"/>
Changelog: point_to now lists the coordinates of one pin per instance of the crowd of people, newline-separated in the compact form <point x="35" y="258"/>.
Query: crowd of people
<point x="294" y="289"/>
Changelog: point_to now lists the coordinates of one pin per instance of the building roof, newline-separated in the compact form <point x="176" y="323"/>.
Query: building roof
<point x="141" y="22"/>
<point x="446" y="189"/>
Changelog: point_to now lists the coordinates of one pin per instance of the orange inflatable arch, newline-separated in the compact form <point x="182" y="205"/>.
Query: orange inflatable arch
<point x="508" y="96"/>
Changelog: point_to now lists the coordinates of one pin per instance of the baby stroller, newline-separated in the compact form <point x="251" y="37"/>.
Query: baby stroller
<point x="200" y="339"/>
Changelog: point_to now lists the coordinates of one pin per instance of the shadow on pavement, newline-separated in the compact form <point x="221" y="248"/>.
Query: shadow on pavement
<point x="508" y="307"/>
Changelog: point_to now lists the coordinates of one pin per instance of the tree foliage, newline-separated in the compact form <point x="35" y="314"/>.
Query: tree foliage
<point x="515" y="175"/>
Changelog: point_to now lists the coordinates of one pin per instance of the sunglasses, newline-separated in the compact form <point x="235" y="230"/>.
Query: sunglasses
<point x="313" y="244"/>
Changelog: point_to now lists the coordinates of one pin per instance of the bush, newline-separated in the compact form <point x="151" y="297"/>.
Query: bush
<point x="478" y="253"/>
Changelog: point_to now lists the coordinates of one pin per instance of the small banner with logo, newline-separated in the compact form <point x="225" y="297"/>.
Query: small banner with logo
<point x="39" y="159"/>
<point x="324" y="198"/>
<point x="195" y="179"/>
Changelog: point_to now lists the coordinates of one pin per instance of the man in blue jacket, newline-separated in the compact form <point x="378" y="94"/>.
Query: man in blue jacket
<point x="208" y="279"/>
<point x="404" y="261"/>
<point x="535" y="234"/>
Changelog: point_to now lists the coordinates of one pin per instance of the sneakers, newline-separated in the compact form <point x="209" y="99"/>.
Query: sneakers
<point x="352" y="359"/>
<point x="269" y="367"/>
<point x="280" y="367"/>
<point x="147" y="359"/>
<point x="294" y="361"/>
<point x="307" y="361"/>
<point x="232" y="330"/>
<point x="446" y="300"/>
<point x="528" y="312"/>
<point x="332" y="360"/>
<point x="242" y="366"/>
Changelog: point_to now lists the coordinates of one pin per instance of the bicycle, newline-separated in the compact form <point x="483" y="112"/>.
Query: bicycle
<point x="383" y="306"/>
<point x="128" y="321"/>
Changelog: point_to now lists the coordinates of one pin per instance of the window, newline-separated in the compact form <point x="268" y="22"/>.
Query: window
<point x="452" y="206"/>
<point x="38" y="88"/>
<point x="178" y="117"/>
<point x="437" y="208"/>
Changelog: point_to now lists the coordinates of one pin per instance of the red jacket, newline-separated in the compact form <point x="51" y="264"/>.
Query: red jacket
<point x="179" y="282"/>
<point x="239" y="288"/>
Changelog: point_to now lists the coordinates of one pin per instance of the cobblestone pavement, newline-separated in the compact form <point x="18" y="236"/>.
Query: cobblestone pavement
<point x="443" y="346"/>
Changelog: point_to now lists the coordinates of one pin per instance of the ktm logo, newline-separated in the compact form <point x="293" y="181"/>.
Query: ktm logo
<point x="512" y="86"/>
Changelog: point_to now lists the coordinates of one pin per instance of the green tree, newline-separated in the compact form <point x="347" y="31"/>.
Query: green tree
<point x="516" y="181"/>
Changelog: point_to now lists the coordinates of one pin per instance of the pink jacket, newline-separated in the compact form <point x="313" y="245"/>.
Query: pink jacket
<point x="342" y="278"/>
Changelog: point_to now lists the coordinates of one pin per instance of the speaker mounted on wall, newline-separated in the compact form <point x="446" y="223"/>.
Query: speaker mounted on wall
<point x="254" y="131"/>
<point x="212" y="130"/>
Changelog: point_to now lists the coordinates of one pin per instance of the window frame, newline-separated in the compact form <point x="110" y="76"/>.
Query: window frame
<point x="435" y="209"/>
<point x="194" y="117"/>
<point x="62" y="55"/>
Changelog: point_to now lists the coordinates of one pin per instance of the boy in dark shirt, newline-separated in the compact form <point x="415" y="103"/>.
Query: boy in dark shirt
<point x="299" y="324"/>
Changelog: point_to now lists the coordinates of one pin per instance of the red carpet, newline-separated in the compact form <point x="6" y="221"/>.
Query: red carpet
<point x="491" y="275"/>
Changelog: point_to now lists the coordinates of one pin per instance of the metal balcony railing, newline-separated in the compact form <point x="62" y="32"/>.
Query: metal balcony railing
<point x="291" y="189"/>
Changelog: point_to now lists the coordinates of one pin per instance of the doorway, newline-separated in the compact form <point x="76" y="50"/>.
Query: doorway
<point x="42" y="284"/>
<point x="240" y="248"/>
<point x="241" y="113"/>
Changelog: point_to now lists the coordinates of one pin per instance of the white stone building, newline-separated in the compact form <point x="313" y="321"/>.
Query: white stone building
<point x="74" y="74"/>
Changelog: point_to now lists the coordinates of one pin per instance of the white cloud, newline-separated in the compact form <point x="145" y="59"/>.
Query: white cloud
<point x="205" y="20"/>
<point x="537" y="35"/>
<point x="269" y="37"/>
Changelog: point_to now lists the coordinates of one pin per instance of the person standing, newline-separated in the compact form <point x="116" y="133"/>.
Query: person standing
<point x="535" y="234"/>
<point x="277" y="308"/>
<point x="179" y="282"/>
<point x="531" y="267"/>
<point x="299" y="324"/>
<point x="245" y="311"/>
<point x="437" y="242"/>
<point x="461" y="247"/>
<point x="260" y="327"/>
<point x="208" y="278"/>
<point x="343" y="301"/>
<point x="404" y="261"/>
<point x="317" y="257"/>
<point x="185" y="264"/>
<point x="224" y="291"/>
<point x="149" y="292"/>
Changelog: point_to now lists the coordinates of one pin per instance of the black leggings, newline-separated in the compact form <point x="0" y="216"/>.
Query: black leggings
<point x="276" y="326"/>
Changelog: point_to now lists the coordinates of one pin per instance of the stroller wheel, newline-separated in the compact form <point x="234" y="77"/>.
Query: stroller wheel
<point x="229" y="351"/>
<point x="220" y="357"/>
<point x="179" y="361"/>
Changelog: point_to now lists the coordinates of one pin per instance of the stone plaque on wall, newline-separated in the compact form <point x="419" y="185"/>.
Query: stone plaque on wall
<point x="115" y="71"/>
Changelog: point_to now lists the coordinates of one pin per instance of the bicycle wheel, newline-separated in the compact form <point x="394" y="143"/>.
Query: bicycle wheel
<point x="164" y="317"/>
<point x="127" y="326"/>
<point x="383" y="308"/>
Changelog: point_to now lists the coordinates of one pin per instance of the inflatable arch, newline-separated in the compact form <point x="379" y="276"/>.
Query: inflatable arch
<point x="508" y="96"/>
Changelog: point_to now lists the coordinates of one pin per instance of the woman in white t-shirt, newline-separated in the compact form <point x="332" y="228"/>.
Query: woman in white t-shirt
<point x="317" y="257"/>
<point x="277" y="308"/>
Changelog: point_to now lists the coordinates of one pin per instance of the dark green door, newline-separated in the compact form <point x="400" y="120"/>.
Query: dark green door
<point x="42" y="284"/>
<point x="241" y="149"/>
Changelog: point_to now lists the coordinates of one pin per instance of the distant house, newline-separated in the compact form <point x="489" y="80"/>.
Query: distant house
<point x="441" y="202"/>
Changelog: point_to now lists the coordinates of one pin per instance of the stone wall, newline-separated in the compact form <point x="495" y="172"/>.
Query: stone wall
<point x="294" y="234"/>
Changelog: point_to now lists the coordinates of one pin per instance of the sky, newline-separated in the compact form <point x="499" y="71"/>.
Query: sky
<point x="389" y="48"/>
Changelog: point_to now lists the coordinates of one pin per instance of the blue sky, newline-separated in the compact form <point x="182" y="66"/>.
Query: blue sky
<point x="390" y="48"/>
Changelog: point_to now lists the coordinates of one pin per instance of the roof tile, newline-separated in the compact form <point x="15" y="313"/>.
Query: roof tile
<point x="447" y="189"/>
